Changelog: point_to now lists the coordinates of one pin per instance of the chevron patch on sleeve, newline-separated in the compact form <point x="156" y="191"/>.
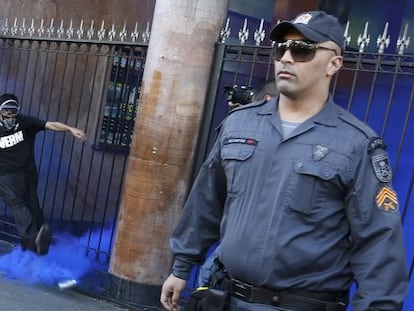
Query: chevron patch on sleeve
<point x="387" y="200"/>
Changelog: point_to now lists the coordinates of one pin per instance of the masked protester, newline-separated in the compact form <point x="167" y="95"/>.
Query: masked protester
<point x="18" y="173"/>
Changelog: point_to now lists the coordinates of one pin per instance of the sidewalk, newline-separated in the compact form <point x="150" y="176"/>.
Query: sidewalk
<point x="17" y="294"/>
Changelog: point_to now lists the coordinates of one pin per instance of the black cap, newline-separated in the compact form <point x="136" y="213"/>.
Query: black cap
<point x="316" y="26"/>
<point x="9" y="101"/>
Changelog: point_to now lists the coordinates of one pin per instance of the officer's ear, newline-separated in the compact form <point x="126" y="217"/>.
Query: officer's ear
<point x="335" y="63"/>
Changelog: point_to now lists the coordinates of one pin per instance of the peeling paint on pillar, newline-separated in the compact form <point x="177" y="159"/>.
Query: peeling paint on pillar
<point x="175" y="81"/>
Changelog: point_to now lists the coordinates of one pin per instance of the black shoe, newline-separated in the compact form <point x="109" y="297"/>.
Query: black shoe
<point x="43" y="239"/>
<point x="28" y="245"/>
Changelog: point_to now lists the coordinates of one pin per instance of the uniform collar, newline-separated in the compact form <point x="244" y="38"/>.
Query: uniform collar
<point x="327" y="116"/>
<point x="269" y="107"/>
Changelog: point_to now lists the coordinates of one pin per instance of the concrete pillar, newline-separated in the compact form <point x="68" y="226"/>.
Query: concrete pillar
<point x="170" y="109"/>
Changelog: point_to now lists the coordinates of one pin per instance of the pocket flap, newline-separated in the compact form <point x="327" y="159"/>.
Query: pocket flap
<point x="239" y="152"/>
<point x="313" y="168"/>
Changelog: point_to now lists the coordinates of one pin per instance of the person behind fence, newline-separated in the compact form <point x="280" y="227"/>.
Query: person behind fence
<point x="18" y="173"/>
<point x="299" y="193"/>
<point x="237" y="96"/>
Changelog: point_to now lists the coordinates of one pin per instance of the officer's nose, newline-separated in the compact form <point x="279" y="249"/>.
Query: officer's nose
<point x="287" y="57"/>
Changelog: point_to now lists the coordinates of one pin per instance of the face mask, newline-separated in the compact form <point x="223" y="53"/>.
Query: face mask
<point x="8" y="123"/>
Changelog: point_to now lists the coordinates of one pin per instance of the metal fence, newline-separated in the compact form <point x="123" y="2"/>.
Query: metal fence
<point x="94" y="84"/>
<point x="90" y="84"/>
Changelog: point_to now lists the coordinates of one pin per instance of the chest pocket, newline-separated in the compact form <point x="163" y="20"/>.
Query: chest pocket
<point x="235" y="162"/>
<point x="311" y="185"/>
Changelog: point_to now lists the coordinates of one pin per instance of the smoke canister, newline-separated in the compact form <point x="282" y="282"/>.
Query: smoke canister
<point x="67" y="284"/>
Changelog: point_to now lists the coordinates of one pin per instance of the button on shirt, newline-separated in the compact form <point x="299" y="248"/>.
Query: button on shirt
<point x="295" y="212"/>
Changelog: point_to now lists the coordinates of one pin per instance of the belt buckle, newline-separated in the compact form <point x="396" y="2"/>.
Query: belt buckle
<point x="241" y="290"/>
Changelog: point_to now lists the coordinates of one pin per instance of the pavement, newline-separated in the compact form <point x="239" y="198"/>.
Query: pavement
<point x="17" y="294"/>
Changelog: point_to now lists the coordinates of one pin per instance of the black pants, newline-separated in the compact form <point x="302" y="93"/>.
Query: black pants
<point x="19" y="192"/>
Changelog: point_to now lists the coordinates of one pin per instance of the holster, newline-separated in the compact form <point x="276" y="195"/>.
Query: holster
<point x="218" y="274"/>
<point x="209" y="299"/>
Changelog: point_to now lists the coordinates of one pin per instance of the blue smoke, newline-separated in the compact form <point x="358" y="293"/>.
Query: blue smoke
<point x="67" y="259"/>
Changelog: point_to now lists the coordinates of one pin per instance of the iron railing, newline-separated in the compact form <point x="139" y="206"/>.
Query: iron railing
<point x="92" y="85"/>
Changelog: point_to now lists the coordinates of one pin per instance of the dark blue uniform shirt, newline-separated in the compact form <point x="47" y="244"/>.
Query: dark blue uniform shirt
<point x="314" y="210"/>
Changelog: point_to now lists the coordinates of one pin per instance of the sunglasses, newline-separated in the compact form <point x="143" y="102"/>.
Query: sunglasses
<point x="301" y="51"/>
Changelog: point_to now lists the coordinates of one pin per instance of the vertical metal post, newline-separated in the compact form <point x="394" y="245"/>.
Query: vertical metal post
<point x="207" y="117"/>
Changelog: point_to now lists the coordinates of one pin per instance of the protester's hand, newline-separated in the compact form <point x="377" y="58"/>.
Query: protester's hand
<point x="77" y="133"/>
<point x="171" y="292"/>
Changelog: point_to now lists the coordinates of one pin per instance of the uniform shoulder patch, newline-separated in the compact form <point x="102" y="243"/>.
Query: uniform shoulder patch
<point x="379" y="159"/>
<point x="387" y="200"/>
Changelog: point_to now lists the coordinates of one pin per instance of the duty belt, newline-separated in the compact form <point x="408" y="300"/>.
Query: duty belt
<point x="295" y="300"/>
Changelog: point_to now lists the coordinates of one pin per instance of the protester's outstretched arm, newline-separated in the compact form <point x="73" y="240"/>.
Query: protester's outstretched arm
<point x="62" y="127"/>
<point x="171" y="292"/>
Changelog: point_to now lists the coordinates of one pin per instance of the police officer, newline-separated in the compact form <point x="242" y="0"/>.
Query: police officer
<point x="299" y="192"/>
<point x="18" y="173"/>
